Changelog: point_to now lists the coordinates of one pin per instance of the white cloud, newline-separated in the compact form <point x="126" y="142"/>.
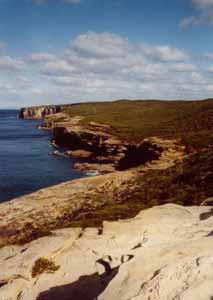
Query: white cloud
<point x="103" y="45"/>
<point x="9" y="63"/>
<point x="164" y="53"/>
<point x="204" y="13"/>
<point x="103" y="66"/>
<point x="210" y="69"/>
<point x="183" y="67"/>
<point x="40" y="57"/>
<point x="100" y="45"/>
<point x="57" y="67"/>
<point x="203" y="4"/>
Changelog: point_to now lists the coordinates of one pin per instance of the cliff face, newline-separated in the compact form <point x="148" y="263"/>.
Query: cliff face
<point x="109" y="151"/>
<point x="39" y="112"/>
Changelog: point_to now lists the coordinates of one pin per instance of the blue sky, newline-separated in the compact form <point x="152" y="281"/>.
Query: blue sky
<point x="61" y="51"/>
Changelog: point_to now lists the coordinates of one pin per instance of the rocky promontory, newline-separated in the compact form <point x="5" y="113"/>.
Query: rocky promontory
<point x="95" y="147"/>
<point x="40" y="112"/>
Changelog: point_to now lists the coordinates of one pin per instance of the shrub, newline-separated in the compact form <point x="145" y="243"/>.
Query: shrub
<point x="43" y="265"/>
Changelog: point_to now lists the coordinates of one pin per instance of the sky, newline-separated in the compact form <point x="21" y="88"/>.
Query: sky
<point x="67" y="51"/>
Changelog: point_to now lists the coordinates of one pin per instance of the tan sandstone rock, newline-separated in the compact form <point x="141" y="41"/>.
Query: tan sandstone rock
<point x="164" y="253"/>
<point x="79" y="153"/>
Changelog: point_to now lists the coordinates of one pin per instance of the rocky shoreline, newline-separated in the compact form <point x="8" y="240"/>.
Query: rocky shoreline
<point x="97" y="151"/>
<point x="94" y="147"/>
<point x="56" y="243"/>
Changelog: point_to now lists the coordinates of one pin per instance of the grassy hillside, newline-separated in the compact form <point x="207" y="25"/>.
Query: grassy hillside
<point x="188" y="183"/>
<point x="192" y="121"/>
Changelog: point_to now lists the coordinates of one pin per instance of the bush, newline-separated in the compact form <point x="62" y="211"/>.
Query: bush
<point x="43" y="265"/>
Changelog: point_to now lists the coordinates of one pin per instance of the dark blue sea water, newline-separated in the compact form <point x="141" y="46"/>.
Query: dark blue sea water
<point x="25" y="163"/>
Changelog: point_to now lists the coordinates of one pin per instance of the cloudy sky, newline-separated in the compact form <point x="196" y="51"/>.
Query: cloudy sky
<point x="62" y="51"/>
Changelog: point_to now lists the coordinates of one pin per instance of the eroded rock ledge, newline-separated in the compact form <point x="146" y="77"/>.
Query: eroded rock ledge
<point x="96" y="148"/>
<point x="163" y="253"/>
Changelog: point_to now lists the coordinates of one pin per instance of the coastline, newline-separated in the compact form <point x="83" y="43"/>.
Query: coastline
<point x="94" y="147"/>
<point x="26" y="165"/>
<point x="124" y="172"/>
<point x="119" y="235"/>
<point x="88" y="201"/>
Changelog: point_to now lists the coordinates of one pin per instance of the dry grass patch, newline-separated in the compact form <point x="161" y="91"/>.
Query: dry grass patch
<point x="43" y="265"/>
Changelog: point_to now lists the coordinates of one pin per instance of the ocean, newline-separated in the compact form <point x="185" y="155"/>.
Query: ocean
<point x="25" y="161"/>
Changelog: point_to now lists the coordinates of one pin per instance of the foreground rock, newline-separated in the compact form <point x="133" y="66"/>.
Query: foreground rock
<point x="163" y="253"/>
<point x="26" y="217"/>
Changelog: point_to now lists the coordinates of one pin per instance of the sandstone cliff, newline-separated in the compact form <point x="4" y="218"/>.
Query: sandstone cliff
<point x="163" y="253"/>
<point x="98" y="147"/>
<point x="40" y="112"/>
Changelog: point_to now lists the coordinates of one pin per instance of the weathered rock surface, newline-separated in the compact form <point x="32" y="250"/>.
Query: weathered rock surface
<point x="163" y="253"/>
<point x="95" y="168"/>
<point x="79" y="153"/>
<point x="53" y="207"/>
<point x="40" y="112"/>
<point x="27" y="217"/>
<point x="94" y="144"/>
<point x="107" y="152"/>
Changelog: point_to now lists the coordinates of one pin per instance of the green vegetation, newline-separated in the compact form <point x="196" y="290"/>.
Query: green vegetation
<point x="43" y="265"/>
<point x="191" y="121"/>
<point x="187" y="183"/>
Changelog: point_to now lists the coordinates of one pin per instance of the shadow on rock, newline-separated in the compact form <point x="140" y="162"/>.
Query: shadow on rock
<point x="87" y="287"/>
<point x="206" y="215"/>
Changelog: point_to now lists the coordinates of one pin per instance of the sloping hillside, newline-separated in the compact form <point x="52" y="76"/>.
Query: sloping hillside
<point x="192" y="121"/>
<point x="123" y="194"/>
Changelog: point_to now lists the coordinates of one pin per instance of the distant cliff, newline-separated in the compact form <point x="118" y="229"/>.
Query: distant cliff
<point x="39" y="112"/>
